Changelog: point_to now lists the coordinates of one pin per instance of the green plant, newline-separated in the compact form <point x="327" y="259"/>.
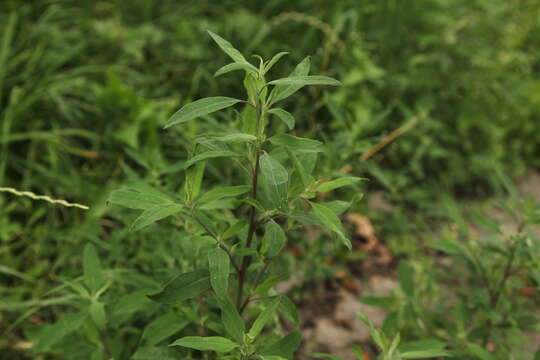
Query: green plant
<point x="480" y="299"/>
<point x="241" y="229"/>
<point x="246" y="241"/>
<point x="393" y="349"/>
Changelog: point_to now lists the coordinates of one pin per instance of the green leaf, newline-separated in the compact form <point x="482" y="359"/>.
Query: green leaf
<point x="192" y="185"/>
<point x="228" y="48"/>
<point x="233" y="322"/>
<point x="378" y="338"/>
<point x="306" y="80"/>
<point x="394" y="344"/>
<point x="97" y="312"/>
<point x="330" y="221"/>
<point x="274" y="237"/>
<point x="209" y="155"/>
<point x="426" y="354"/>
<point x="154" y="214"/>
<point x="183" y="287"/>
<point x="285" y="347"/>
<point x="130" y="303"/>
<point x="163" y="327"/>
<point x="219" y="266"/>
<point x="479" y="352"/>
<point x="284" y="116"/>
<point x="263" y="318"/>
<point x="202" y="217"/>
<point x="273" y="61"/>
<point x="233" y="230"/>
<point x="149" y="352"/>
<point x="425" y="344"/>
<point x="210" y="343"/>
<point x="380" y="301"/>
<point x="236" y="66"/>
<point x="281" y="92"/>
<point x="337" y="183"/>
<point x="221" y="192"/>
<point x="93" y="273"/>
<point x="337" y="206"/>
<point x="486" y="222"/>
<point x="300" y="176"/>
<point x="275" y="178"/>
<point x="288" y="309"/>
<point x="235" y="138"/>
<point x="446" y="246"/>
<point x="136" y="199"/>
<point x="263" y="288"/>
<point x="52" y="334"/>
<point x="252" y="202"/>
<point x="406" y="278"/>
<point x="200" y="108"/>
<point x="392" y="322"/>
<point x="297" y="144"/>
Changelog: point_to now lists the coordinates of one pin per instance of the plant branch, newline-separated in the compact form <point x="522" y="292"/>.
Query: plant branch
<point x="220" y="244"/>
<point x="499" y="290"/>
<point x="246" y="261"/>
<point x="256" y="283"/>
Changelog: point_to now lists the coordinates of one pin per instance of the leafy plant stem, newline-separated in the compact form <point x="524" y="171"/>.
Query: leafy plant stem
<point x="246" y="261"/>
<point x="499" y="290"/>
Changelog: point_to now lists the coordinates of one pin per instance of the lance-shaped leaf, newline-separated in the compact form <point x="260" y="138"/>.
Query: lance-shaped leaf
<point x="330" y="221"/>
<point x="427" y="354"/>
<point x="236" y="66"/>
<point x="274" y="237"/>
<point x="221" y="192"/>
<point x="52" y="334"/>
<point x="288" y="309"/>
<point x="199" y="108"/>
<point x="219" y="266"/>
<point x="192" y="185"/>
<point x="153" y="214"/>
<point x="306" y="80"/>
<point x="97" y="313"/>
<point x="338" y="206"/>
<point x="228" y="48"/>
<point x="183" y="287"/>
<point x="296" y="144"/>
<point x="163" y="327"/>
<point x="209" y="155"/>
<point x="275" y="178"/>
<point x="233" y="230"/>
<point x="233" y="322"/>
<point x="138" y="198"/>
<point x="285" y="347"/>
<point x="93" y="273"/>
<point x="303" y="179"/>
<point x="263" y="318"/>
<point x="235" y="138"/>
<point x="209" y="343"/>
<point x="406" y="278"/>
<point x="281" y="92"/>
<point x="337" y="183"/>
<point x="273" y="61"/>
<point x="284" y="116"/>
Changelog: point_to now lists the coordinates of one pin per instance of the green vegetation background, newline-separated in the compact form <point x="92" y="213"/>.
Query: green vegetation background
<point x="86" y="86"/>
